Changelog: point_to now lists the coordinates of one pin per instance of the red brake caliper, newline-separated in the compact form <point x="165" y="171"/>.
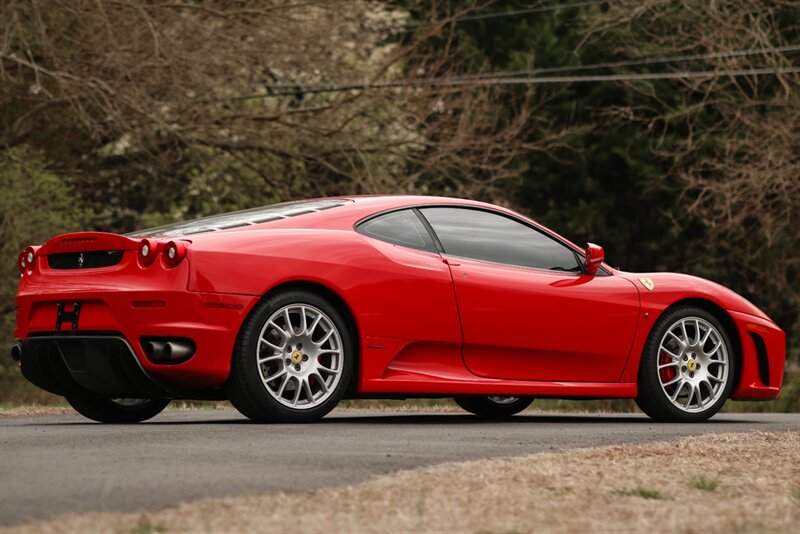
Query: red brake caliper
<point x="667" y="373"/>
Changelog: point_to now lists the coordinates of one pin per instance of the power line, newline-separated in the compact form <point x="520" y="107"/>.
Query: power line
<point x="649" y="61"/>
<point x="642" y="76"/>
<point x="485" y="82"/>
<point x="302" y="88"/>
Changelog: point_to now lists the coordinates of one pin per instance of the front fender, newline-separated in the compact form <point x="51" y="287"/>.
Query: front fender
<point x="761" y="375"/>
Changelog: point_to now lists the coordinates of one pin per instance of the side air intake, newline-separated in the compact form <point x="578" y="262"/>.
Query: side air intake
<point x="761" y="354"/>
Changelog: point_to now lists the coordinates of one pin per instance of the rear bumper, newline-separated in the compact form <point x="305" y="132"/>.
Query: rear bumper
<point x="101" y="365"/>
<point x="210" y="320"/>
<point x="763" y="357"/>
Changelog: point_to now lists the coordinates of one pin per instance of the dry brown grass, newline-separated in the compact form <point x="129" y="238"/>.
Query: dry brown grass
<point x="619" y="489"/>
<point x="416" y="406"/>
<point x="26" y="410"/>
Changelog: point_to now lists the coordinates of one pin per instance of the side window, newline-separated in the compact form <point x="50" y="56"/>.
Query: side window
<point x="481" y="235"/>
<point x="399" y="228"/>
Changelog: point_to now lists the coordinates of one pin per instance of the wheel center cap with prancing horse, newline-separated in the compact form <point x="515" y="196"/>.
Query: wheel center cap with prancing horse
<point x="296" y="356"/>
<point x="691" y="365"/>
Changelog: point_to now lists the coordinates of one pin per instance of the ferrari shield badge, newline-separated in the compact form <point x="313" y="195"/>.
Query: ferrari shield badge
<point x="646" y="282"/>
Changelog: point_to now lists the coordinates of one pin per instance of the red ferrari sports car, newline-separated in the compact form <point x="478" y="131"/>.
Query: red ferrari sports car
<point x="286" y="309"/>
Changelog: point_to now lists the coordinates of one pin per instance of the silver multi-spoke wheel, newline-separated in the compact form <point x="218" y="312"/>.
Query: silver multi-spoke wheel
<point x="130" y="403"/>
<point x="693" y="364"/>
<point x="294" y="358"/>
<point x="493" y="405"/>
<point x="300" y="356"/>
<point x="120" y="410"/>
<point x="502" y="400"/>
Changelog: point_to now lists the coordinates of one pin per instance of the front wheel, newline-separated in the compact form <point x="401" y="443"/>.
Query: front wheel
<point x="116" y="410"/>
<point x="493" y="406"/>
<point x="293" y="360"/>
<point x="687" y="368"/>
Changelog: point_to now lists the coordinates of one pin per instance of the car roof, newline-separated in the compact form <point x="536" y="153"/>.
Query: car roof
<point x="339" y="213"/>
<point x="362" y="206"/>
<point x="384" y="202"/>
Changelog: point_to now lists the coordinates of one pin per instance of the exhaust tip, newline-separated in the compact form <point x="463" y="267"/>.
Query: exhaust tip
<point x="153" y="349"/>
<point x="16" y="352"/>
<point x="179" y="350"/>
<point x="168" y="350"/>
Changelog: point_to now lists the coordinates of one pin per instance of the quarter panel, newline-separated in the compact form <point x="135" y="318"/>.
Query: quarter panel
<point x="395" y="293"/>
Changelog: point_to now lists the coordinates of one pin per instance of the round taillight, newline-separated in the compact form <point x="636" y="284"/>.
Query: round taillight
<point x="21" y="262"/>
<point x="148" y="250"/>
<point x="28" y="261"/>
<point x="174" y="251"/>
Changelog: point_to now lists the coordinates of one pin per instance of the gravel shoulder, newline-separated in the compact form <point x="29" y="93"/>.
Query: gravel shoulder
<point x="713" y="483"/>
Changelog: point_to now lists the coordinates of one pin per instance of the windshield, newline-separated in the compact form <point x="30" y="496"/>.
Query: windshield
<point x="237" y="219"/>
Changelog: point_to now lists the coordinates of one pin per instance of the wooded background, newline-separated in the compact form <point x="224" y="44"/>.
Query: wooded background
<point x="668" y="132"/>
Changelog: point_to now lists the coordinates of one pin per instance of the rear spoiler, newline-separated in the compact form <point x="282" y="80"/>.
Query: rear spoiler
<point x="88" y="241"/>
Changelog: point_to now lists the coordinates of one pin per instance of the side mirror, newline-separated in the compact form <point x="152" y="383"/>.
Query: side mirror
<point x="594" y="257"/>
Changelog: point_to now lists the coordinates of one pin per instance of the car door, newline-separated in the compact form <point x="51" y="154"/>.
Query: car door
<point x="404" y="295"/>
<point x="527" y="309"/>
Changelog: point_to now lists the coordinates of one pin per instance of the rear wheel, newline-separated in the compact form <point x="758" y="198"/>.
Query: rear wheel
<point x="293" y="360"/>
<point x="687" y="368"/>
<point x="117" y="410"/>
<point x="493" y="406"/>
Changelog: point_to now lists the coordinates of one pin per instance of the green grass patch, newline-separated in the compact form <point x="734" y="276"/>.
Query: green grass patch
<point x="704" y="484"/>
<point x="145" y="526"/>
<point x="560" y="490"/>
<point x="644" y="493"/>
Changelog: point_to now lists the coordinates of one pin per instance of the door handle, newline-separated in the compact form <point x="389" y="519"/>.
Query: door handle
<point x="450" y="262"/>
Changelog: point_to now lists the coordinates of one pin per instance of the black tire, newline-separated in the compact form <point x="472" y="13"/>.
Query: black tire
<point x="116" y="411"/>
<point x="652" y="399"/>
<point x="486" y="407"/>
<point x="245" y="388"/>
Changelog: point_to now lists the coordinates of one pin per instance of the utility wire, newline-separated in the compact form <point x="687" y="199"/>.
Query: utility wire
<point x="485" y="82"/>
<point x="645" y="61"/>
<point x="304" y="88"/>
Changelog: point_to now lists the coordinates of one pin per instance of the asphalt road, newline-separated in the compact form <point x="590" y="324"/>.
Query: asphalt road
<point x="51" y="465"/>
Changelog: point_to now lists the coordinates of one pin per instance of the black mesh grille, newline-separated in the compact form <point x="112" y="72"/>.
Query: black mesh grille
<point x="763" y="360"/>
<point x="84" y="260"/>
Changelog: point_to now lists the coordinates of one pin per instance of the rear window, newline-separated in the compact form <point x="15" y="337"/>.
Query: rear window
<point x="399" y="228"/>
<point x="238" y="219"/>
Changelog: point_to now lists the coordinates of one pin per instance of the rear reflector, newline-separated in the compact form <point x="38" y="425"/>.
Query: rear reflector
<point x="148" y="304"/>
<point x="223" y="305"/>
